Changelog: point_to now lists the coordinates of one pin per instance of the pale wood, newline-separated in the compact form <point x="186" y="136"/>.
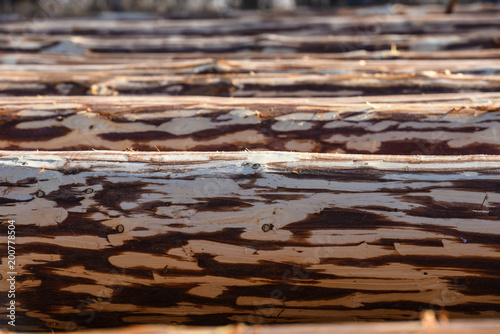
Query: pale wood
<point x="106" y="66"/>
<point x="330" y="81"/>
<point x="354" y="21"/>
<point x="210" y="238"/>
<point x="260" y="43"/>
<point x="116" y="237"/>
<point x="375" y="29"/>
<point x="420" y="124"/>
<point x="163" y="59"/>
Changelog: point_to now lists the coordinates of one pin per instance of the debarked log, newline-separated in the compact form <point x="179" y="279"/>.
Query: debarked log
<point x="106" y="239"/>
<point x="243" y="84"/>
<point x="364" y="21"/>
<point x="266" y="43"/>
<point x="92" y="68"/>
<point x="218" y="78"/>
<point x="424" y="124"/>
<point x="455" y="59"/>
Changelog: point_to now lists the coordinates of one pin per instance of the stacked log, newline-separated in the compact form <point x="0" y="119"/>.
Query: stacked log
<point x="258" y="168"/>
<point x="433" y="124"/>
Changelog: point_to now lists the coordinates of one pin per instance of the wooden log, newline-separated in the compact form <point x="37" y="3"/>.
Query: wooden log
<point x="267" y="43"/>
<point x="366" y="22"/>
<point x="106" y="239"/>
<point x="372" y="29"/>
<point x="296" y="59"/>
<point x="245" y="85"/>
<point x="102" y="68"/>
<point x="109" y="238"/>
<point x="426" y="125"/>
<point x="414" y="29"/>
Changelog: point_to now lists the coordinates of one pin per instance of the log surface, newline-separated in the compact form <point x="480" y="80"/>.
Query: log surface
<point x="107" y="239"/>
<point x="35" y="82"/>
<point x="310" y="76"/>
<point x="385" y="20"/>
<point x="433" y="124"/>
<point x="231" y="56"/>
<point x="112" y="238"/>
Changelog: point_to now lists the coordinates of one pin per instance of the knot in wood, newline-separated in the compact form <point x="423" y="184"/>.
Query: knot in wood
<point x="267" y="227"/>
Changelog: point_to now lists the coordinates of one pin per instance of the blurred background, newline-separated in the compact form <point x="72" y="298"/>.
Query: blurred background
<point x="85" y="7"/>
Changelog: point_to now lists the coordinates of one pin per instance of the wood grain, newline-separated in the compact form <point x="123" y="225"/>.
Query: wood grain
<point x="267" y="43"/>
<point x="154" y="80"/>
<point x="107" y="239"/>
<point x="384" y="20"/>
<point x="375" y="204"/>
<point x="433" y="124"/>
<point x="401" y="50"/>
<point x="179" y="59"/>
<point x="107" y="66"/>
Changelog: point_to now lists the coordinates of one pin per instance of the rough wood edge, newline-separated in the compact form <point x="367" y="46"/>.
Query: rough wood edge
<point x="58" y="159"/>
<point x="278" y="101"/>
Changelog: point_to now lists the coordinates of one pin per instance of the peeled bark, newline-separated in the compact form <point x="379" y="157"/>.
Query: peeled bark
<point x="153" y="81"/>
<point x="363" y="22"/>
<point x="298" y="60"/>
<point x="180" y="233"/>
<point x="260" y="43"/>
<point x="426" y="125"/>
<point x="106" y="239"/>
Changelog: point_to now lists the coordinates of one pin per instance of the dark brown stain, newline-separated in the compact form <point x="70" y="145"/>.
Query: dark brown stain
<point x="281" y="280"/>
<point x="137" y="136"/>
<point x="475" y="265"/>
<point x="113" y="194"/>
<point x="217" y="204"/>
<point x="66" y="196"/>
<point x="430" y="208"/>
<point x="9" y="132"/>
<point x="76" y="224"/>
<point x="338" y="219"/>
